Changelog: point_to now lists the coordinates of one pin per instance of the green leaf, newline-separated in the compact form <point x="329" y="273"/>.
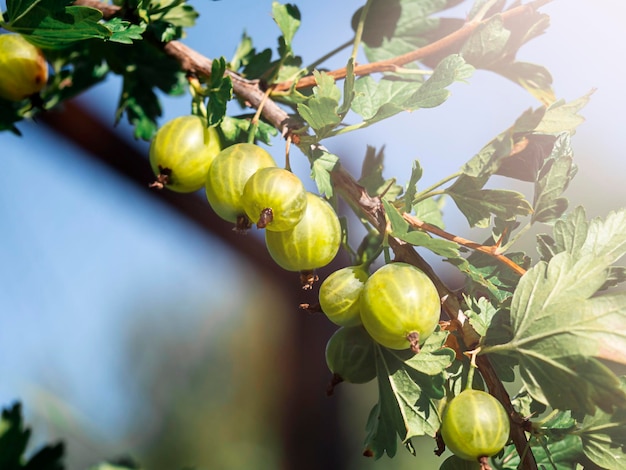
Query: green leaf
<point x="174" y="12"/>
<point x="54" y="26"/>
<point x="394" y="27"/>
<point x="431" y="211"/>
<point x="287" y="18"/>
<point x="480" y="313"/>
<point x="405" y="405"/>
<point x="603" y="437"/>
<point x="236" y="130"/>
<point x="486" y="277"/>
<point x="13" y="442"/>
<point x="560" y="328"/>
<point x="151" y="69"/>
<point x="433" y="358"/>
<point x="552" y="180"/>
<point x="123" y="31"/>
<point x="478" y="205"/>
<point x="555" y="454"/>
<point x="521" y="151"/>
<point x="10" y="113"/>
<point x="433" y="93"/>
<point x="376" y="101"/>
<point x="348" y="89"/>
<point x="320" y="110"/>
<point x="487" y="44"/>
<point x="400" y="229"/>
<point x="411" y="187"/>
<point x="13" y="437"/>
<point x="563" y="117"/>
<point x="220" y="92"/>
<point x="242" y="53"/>
<point x="322" y="164"/>
<point x="572" y="233"/>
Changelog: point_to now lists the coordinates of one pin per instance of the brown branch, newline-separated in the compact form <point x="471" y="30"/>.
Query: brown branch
<point x="488" y="250"/>
<point x="447" y="43"/>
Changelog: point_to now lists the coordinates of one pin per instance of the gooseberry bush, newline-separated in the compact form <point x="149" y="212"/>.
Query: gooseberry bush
<point x="515" y="370"/>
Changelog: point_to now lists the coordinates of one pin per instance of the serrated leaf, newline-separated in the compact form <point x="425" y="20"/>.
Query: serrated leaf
<point x="376" y="101"/>
<point x="151" y="69"/>
<point x="431" y="211"/>
<point x="520" y="151"/>
<point x="552" y="180"/>
<point x="177" y="13"/>
<point x="400" y="229"/>
<point x="348" y="89"/>
<point x="433" y="358"/>
<point x="322" y="164"/>
<point x="411" y="187"/>
<point x="124" y="31"/>
<point x="603" y="437"/>
<point x="560" y="328"/>
<point x="242" y="53"/>
<point x="220" y="92"/>
<point x="56" y="28"/>
<point x="561" y="454"/>
<point x="236" y="130"/>
<point x="320" y="110"/>
<point x="572" y="233"/>
<point x="287" y="18"/>
<point x="393" y="28"/>
<point x="13" y="437"/>
<point x="405" y="405"/>
<point x="480" y="313"/>
<point x="562" y="116"/>
<point x="487" y="44"/>
<point x="485" y="277"/>
<point x="478" y="205"/>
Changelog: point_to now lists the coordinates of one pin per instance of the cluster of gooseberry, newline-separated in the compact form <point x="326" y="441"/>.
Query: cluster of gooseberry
<point x="398" y="307"/>
<point x="244" y="186"/>
<point x="23" y="68"/>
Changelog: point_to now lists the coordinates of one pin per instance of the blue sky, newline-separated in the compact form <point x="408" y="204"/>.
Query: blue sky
<point x="78" y="247"/>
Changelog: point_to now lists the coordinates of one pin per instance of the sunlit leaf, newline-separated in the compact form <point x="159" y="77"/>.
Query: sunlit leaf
<point x="405" y="406"/>
<point x="560" y="328"/>
<point x="322" y="164"/>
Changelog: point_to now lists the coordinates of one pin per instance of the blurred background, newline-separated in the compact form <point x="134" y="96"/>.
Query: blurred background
<point x="134" y="323"/>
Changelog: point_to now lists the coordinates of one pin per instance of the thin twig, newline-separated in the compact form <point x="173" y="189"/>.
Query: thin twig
<point x="446" y="43"/>
<point x="488" y="250"/>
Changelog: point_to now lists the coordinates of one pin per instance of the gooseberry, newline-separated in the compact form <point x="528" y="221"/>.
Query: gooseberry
<point x="474" y="425"/>
<point x="227" y="176"/>
<point x="23" y="68"/>
<point x="339" y="295"/>
<point x="181" y="153"/>
<point x="400" y="306"/>
<point x="312" y="243"/>
<point x="274" y="198"/>
<point x="350" y="356"/>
